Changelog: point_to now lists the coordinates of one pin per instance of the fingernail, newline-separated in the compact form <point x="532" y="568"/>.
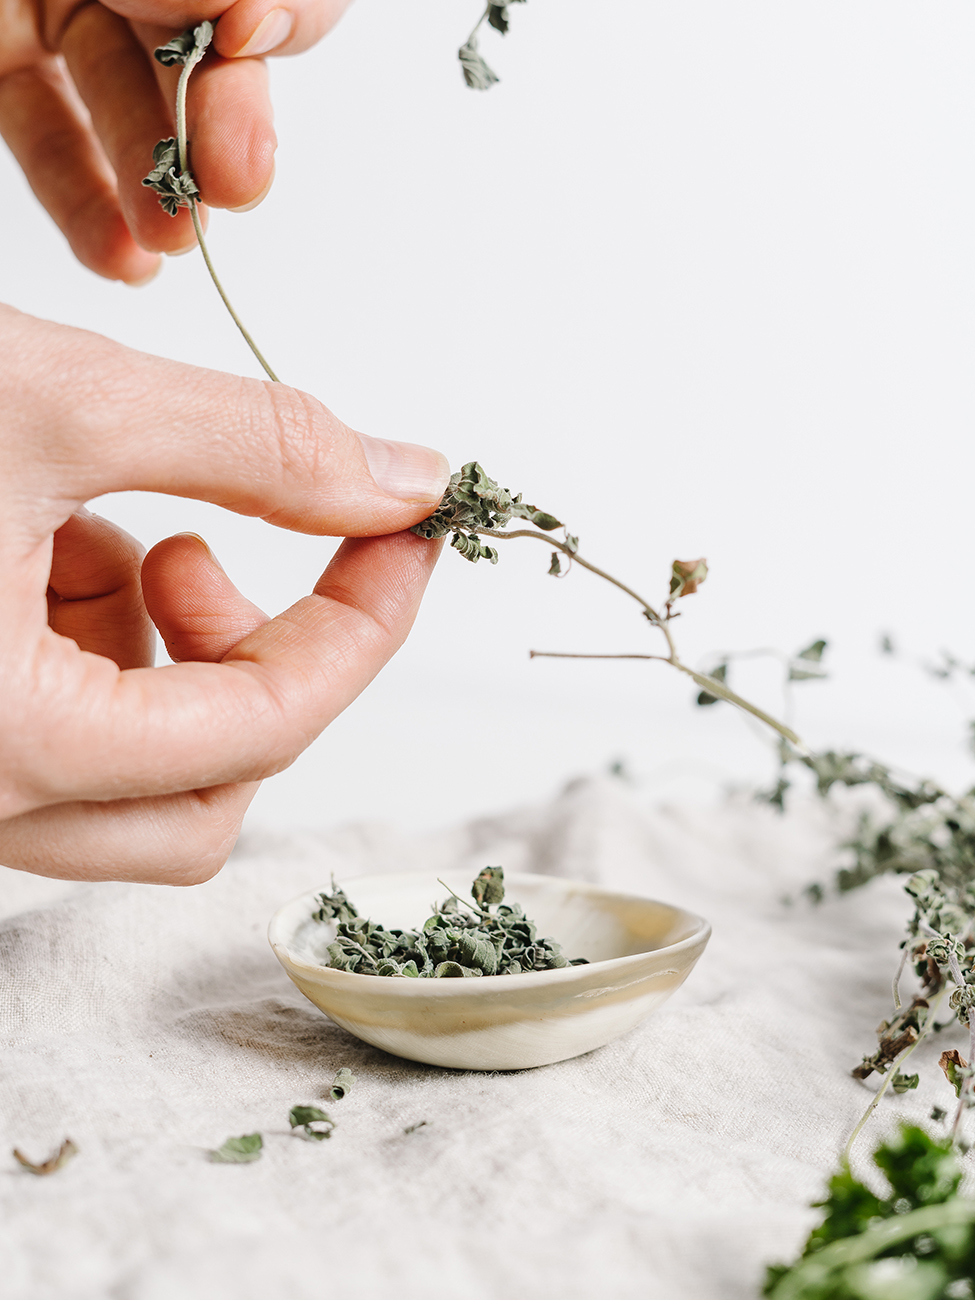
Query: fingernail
<point x="272" y="31"/>
<point x="406" y="470"/>
<point x="246" y="207"/>
<point x="203" y="542"/>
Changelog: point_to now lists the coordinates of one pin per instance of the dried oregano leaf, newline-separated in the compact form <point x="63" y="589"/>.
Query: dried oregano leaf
<point x="305" y="1117"/>
<point x="239" y="1150"/>
<point x="686" y="576"/>
<point x="53" y="1163"/>
<point x="342" y="1084"/>
<point x="184" y="46"/>
<point x="176" y="189"/>
<point x="477" y="74"/>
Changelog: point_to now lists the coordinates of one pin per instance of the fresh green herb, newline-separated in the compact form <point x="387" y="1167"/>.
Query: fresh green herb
<point x="451" y="945"/>
<point x="341" y="1084"/>
<point x="314" y="1123"/>
<point x="475" y="506"/>
<point x="171" y="177"/>
<point x="917" y="1243"/>
<point x="52" y="1164"/>
<point x="239" y="1150"/>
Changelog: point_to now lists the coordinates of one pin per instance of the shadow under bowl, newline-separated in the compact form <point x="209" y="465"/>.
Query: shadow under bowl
<point x="639" y="951"/>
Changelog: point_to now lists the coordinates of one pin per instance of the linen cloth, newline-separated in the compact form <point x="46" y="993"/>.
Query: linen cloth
<point x="149" y="1024"/>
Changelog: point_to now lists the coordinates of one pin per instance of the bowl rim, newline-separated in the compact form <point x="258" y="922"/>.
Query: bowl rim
<point x="458" y="987"/>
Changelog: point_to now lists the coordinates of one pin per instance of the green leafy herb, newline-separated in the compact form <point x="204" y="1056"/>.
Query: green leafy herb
<point x="917" y="1243"/>
<point x="239" y="1150"/>
<point x="52" y="1164"/>
<point x="451" y="944"/>
<point x="341" y="1084"/>
<point x="315" y="1124"/>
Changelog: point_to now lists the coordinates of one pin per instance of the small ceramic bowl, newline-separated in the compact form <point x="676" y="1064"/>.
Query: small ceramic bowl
<point x="639" y="952"/>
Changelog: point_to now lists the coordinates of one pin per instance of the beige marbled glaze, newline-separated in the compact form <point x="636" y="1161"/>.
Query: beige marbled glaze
<point x="639" y="951"/>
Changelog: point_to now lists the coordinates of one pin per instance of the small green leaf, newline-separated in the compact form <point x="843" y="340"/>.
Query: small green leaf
<point x="239" y="1150"/>
<point x="555" y="568"/>
<point x="488" y="887"/>
<point x="572" y="543"/>
<point x="477" y="74"/>
<point x="720" y="674"/>
<point x="813" y="652"/>
<point x="545" y="521"/>
<point x="954" y="1064"/>
<point x="343" y="1082"/>
<point x="304" y="1117"/>
<point x="904" y="1082"/>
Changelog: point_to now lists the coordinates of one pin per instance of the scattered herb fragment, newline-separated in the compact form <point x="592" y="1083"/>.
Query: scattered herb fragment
<point x="341" y="1084"/>
<point x="451" y="944"/>
<point x="306" y="1117"/>
<point x="239" y="1150"/>
<point x="52" y="1164"/>
<point x="476" y="72"/>
<point x="413" y="1127"/>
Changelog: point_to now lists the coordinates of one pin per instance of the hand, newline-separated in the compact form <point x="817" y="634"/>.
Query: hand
<point x="113" y="769"/>
<point x="83" y="102"/>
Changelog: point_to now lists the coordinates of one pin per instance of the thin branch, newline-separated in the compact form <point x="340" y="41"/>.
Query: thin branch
<point x="184" y="162"/>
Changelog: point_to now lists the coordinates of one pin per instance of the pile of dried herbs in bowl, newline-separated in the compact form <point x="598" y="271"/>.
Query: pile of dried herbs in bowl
<point x="452" y="944"/>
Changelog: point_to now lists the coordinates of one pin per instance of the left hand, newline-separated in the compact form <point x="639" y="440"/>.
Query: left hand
<point x="83" y="102"/>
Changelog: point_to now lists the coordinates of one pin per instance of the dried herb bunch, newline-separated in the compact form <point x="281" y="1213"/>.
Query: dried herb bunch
<point x="171" y="177"/>
<point x="451" y="945"/>
<point x="476" y="506"/>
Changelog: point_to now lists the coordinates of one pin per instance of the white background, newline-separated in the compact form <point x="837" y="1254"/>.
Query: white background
<point x="696" y="277"/>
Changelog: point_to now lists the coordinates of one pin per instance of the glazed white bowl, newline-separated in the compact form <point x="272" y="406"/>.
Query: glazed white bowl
<point x="639" y="952"/>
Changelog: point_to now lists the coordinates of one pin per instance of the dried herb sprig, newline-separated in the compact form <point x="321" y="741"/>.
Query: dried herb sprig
<point x="476" y="72"/>
<point x="451" y="944"/>
<point x="171" y="177"/>
<point x="475" y="506"/>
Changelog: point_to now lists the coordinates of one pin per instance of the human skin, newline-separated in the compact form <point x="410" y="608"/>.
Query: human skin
<point x="83" y="102"/>
<point x="110" y="768"/>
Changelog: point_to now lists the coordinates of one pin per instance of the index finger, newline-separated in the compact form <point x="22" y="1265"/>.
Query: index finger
<point x="95" y="417"/>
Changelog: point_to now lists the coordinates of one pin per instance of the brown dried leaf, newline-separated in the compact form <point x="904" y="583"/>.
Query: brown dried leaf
<point x="53" y="1163"/>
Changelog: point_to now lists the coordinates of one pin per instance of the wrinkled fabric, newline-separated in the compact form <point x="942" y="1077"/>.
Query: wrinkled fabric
<point x="149" y="1024"/>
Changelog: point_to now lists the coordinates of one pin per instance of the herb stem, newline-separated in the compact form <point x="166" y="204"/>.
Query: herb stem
<point x="184" y="163"/>
<point x="892" y="1071"/>
<point x="708" y="684"/>
<point x="462" y="901"/>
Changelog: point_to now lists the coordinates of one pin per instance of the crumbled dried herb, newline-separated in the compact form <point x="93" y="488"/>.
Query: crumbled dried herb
<point x="451" y="945"/>
<point x="53" y="1163"/>
<point x="341" y="1084"/>
<point x="239" y="1150"/>
<point x="412" y="1128"/>
<point x="315" y="1124"/>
